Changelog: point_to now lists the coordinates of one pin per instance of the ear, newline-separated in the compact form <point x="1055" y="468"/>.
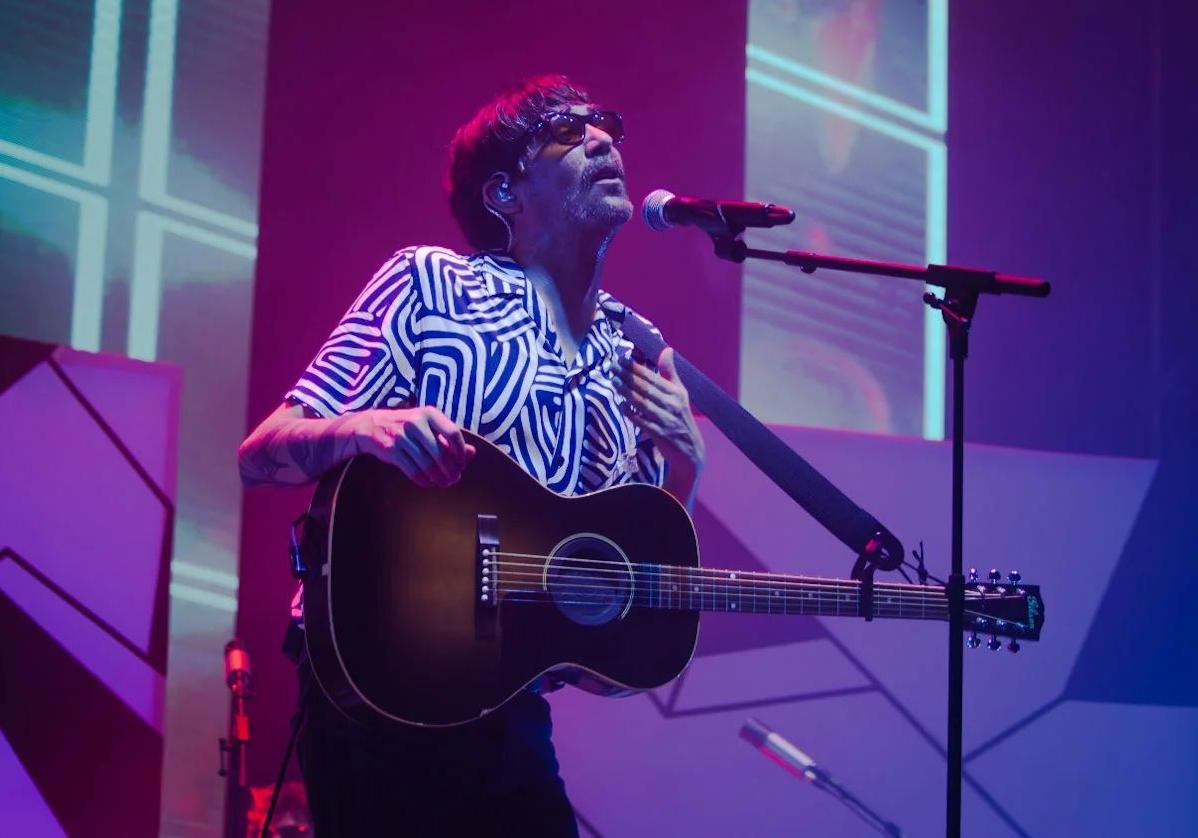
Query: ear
<point x="499" y="194"/>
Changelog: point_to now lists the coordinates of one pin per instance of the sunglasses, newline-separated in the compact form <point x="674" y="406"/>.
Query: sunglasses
<point x="571" y="128"/>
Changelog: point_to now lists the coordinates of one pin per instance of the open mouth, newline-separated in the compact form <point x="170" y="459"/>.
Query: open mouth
<point x="607" y="173"/>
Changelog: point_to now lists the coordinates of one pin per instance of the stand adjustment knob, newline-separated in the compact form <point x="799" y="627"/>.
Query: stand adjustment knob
<point x="973" y="641"/>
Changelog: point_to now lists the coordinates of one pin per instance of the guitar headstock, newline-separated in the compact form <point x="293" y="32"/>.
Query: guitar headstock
<point x="1002" y="609"/>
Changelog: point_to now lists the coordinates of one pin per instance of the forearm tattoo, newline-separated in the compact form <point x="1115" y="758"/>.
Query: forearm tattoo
<point x="297" y="452"/>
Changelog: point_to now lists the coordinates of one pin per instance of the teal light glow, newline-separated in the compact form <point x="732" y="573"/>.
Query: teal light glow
<point x="145" y="286"/>
<point x="864" y="118"/>
<point x="88" y="293"/>
<point x="937" y="220"/>
<point x="187" y="593"/>
<point x="936" y="237"/>
<point x="204" y="574"/>
<point x="877" y="101"/>
<point x="929" y="125"/>
<point x="156" y="125"/>
<point x="100" y="115"/>
<point x="938" y="63"/>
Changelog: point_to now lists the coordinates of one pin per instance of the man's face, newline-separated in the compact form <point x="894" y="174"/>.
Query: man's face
<point x="579" y="185"/>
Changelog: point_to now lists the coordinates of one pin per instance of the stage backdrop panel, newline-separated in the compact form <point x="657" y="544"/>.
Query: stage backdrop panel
<point x="867" y="700"/>
<point x="87" y="502"/>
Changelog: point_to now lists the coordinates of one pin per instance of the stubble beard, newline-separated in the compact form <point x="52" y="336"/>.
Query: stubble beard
<point x="600" y="214"/>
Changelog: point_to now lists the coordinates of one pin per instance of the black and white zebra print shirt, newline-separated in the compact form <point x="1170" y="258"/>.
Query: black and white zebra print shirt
<point x="470" y="336"/>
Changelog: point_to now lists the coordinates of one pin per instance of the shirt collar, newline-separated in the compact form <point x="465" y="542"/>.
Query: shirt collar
<point x="503" y="275"/>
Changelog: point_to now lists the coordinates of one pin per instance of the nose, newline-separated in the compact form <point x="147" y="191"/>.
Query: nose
<point x="597" y="141"/>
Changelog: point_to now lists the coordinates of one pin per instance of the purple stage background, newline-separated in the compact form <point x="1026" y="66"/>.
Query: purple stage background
<point x="1067" y="135"/>
<point x="84" y="574"/>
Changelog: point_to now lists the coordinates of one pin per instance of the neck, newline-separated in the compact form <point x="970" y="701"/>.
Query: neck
<point x="566" y="269"/>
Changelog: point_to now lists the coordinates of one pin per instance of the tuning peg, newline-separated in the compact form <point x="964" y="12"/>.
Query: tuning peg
<point x="973" y="575"/>
<point x="1013" y="647"/>
<point x="993" y="644"/>
<point x="995" y="576"/>
<point x="1013" y="577"/>
<point x="973" y="641"/>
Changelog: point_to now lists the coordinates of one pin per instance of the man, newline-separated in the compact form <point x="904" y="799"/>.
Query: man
<point x="518" y="344"/>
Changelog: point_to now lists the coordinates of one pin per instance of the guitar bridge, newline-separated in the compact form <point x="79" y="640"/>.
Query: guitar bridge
<point x="486" y="576"/>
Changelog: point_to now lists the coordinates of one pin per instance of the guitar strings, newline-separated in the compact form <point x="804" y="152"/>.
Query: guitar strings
<point x="671" y="596"/>
<point x="898" y="600"/>
<point x="895" y="599"/>
<point x="754" y="576"/>
<point x="511" y="580"/>
<point x="880" y="610"/>
<point x="665" y="573"/>
<point x="883" y="606"/>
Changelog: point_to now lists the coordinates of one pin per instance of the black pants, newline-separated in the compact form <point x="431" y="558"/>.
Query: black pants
<point x="494" y="777"/>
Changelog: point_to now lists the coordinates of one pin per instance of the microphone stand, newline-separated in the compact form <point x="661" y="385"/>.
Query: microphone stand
<point x="962" y="288"/>
<point x="233" y="748"/>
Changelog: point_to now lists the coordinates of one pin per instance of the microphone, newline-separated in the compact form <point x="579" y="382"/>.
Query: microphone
<point x="781" y="751"/>
<point x="237" y="666"/>
<point x="662" y="210"/>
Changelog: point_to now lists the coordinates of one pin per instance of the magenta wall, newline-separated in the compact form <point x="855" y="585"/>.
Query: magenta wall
<point x="361" y="102"/>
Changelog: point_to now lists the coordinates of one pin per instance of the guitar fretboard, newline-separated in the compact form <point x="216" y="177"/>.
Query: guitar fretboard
<point x="703" y="589"/>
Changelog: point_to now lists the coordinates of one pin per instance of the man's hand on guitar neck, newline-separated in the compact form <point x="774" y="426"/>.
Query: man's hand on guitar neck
<point x="291" y="447"/>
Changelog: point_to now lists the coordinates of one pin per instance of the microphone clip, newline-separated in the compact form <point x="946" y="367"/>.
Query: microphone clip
<point x="728" y="245"/>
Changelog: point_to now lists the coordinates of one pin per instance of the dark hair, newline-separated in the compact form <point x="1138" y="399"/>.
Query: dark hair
<point x="492" y="142"/>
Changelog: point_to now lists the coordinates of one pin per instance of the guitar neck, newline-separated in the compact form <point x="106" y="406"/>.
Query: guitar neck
<point x="705" y="589"/>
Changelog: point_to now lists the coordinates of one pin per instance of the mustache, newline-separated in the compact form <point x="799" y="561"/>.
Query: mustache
<point x="604" y="168"/>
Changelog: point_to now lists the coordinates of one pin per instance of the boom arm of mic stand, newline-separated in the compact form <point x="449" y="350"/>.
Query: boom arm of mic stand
<point x="949" y="277"/>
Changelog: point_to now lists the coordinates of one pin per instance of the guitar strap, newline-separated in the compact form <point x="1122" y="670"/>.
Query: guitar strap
<point x="857" y="529"/>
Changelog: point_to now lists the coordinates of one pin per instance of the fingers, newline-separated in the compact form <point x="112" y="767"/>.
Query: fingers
<point x="665" y="365"/>
<point x="450" y="435"/>
<point x="426" y="445"/>
<point x="409" y="467"/>
<point x="637" y="378"/>
<point x="435" y="461"/>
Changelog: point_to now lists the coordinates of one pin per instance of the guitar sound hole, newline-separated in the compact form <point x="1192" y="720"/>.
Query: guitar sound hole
<point x="590" y="580"/>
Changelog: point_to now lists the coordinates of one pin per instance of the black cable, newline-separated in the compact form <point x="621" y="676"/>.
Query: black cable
<point x="274" y="795"/>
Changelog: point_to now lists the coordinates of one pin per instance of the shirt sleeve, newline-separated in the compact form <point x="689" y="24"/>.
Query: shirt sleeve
<point x="370" y="358"/>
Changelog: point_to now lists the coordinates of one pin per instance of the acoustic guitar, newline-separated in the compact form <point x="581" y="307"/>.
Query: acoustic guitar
<point x="433" y="607"/>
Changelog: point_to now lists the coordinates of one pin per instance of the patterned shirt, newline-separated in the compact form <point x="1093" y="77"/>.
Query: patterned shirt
<point x="471" y="336"/>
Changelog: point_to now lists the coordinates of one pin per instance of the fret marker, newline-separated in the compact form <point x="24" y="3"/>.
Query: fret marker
<point x="695" y="589"/>
<point x="733" y="606"/>
<point x="732" y="576"/>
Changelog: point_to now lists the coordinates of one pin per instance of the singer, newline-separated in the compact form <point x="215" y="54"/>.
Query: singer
<point x="518" y="343"/>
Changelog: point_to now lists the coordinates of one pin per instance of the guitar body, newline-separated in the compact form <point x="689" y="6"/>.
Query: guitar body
<point x="397" y="627"/>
